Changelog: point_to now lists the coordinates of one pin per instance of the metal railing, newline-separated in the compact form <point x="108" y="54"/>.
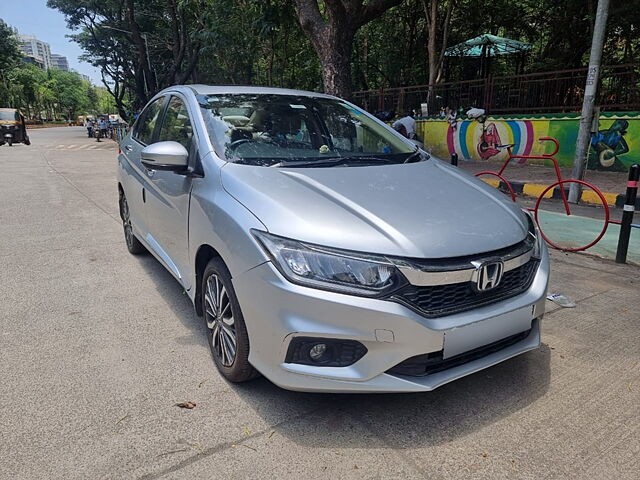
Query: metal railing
<point x="557" y="91"/>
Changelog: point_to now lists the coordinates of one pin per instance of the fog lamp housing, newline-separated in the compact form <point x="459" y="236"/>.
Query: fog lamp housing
<point x="324" y="352"/>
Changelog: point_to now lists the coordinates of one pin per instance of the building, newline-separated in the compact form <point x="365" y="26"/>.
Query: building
<point x="33" y="61"/>
<point x="36" y="49"/>
<point x="38" y="53"/>
<point x="60" y="62"/>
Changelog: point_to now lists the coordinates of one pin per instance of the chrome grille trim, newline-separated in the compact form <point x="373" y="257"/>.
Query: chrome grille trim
<point x="424" y="278"/>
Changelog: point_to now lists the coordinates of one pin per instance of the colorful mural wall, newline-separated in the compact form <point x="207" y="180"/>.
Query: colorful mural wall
<point x="615" y="147"/>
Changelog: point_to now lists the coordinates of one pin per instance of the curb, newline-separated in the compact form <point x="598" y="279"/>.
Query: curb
<point x="535" y="189"/>
<point x="47" y="125"/>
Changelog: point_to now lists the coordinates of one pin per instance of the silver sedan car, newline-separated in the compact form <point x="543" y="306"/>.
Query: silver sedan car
<point x="322" y="249"/>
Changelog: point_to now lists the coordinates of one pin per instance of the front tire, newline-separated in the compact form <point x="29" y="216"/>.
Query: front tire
<point x="226" y="330"/>
<point x="133" y="244"/>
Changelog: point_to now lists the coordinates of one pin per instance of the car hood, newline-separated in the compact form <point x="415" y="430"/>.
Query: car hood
<point x="420" y="210"/>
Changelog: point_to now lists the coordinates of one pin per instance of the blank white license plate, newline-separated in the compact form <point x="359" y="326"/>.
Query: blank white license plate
<point x="462" y="339"/>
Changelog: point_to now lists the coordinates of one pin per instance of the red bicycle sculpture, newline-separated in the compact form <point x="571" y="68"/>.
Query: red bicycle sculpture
<point x="551" y="191"/>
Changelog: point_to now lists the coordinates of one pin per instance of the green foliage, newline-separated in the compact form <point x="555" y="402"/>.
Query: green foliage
<point x="9" y="59"/>
<point x="255" y="42"/>
<point x="51" y="94"/>
<point x="143" y="46"/>
<point x="92" y="99"/>
<point x="69" y="91"/>
<point x="106" y="102"/>
<point x="9" y="51"/>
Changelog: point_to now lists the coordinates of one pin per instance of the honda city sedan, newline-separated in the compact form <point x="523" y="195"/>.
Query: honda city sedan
<point x="324" y="250"/>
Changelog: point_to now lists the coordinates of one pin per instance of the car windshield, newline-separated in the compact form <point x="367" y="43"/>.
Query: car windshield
<point x="289" y="130"/>
<point x="9" y="115"/>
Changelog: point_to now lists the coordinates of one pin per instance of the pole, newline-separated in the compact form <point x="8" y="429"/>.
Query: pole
<point x="627" y="214"/>
<point x="593" y="73"/>
<point x="146" y="50"/>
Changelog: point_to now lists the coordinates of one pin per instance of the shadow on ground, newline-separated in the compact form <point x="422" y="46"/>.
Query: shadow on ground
<point x="407" y="420"/>
<point x="172" y="293"/>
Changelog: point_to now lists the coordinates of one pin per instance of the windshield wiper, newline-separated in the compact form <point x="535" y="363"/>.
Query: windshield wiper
<point x="416" y="156"/>
<point x="331" y="161"/>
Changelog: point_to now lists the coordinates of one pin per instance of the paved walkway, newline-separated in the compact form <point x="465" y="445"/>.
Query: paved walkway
<point x="611" y="182"/>
<point x="577" y="231"/>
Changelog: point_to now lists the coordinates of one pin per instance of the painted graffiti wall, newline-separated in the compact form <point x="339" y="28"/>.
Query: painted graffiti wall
<point x="615" y="147"/>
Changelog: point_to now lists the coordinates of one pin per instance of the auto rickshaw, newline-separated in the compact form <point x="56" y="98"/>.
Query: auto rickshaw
<point x="12" y="127"/>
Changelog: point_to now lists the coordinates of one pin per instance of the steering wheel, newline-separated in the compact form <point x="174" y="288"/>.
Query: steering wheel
<point x="298" y="144"/>
<point x="233" y="145"/>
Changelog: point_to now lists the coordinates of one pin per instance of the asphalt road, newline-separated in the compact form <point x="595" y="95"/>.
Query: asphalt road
<point x="98" y="346"/>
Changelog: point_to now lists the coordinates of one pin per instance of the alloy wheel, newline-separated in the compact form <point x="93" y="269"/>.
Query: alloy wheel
<point x="126" y="221"/>
<point x="219" y="316"/>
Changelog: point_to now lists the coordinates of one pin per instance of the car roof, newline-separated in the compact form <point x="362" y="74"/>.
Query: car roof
<point x="239" y="89"/>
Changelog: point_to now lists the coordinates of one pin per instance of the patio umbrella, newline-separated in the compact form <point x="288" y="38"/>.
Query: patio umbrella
<point x="487" y="45"/>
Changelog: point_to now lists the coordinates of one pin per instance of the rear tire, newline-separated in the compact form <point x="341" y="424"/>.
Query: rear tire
<point x="226" y="331"/>
<point x="133" y="244"/>
<point x="27" y="141"/>
<point x="10" y="141"/>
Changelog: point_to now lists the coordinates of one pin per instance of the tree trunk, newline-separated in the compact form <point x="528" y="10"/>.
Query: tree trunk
<point x="435" y="58"/>
<point x="431" y="13"/>
<point x="332" y="37"/>
<point x="142" y="60"/>
<point x="334" y="50"/>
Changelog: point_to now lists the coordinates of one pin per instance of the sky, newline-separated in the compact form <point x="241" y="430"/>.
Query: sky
<point x="33" y="17"/>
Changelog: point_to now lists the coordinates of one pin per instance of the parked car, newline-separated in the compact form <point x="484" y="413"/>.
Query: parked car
<point x="323" y="249"/>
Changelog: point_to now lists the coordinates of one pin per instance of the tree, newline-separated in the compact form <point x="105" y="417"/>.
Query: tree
<point x="106" y="102"/>
<point x="9" y="59"/>
<point x="92" y="99"/>
<point x="332" y="29"/>
<point x="255" y="42"/>
<point x="438" y="20"/>
<point x="31" y="87"/>
<point x="69" y="92"/>
<point x="141" y="46"/>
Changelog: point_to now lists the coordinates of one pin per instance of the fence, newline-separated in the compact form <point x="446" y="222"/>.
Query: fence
<point x="558" y="91"/>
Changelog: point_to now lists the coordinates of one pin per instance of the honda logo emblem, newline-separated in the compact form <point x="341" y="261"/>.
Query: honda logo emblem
<point x="488" y="274"/>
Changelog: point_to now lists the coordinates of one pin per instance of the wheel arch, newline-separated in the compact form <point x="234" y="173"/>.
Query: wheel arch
<point x="203" y="256"/>
<point x="120" y="197"/>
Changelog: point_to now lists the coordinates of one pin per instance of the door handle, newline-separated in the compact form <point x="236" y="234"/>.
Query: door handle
<point x="128" y="148"/>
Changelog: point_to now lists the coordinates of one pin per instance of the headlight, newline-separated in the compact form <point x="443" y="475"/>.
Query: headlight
<point x="331" y="269"/>
<point x="535" y="233"/>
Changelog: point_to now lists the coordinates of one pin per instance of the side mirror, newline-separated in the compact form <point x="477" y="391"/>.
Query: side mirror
<point x="165" y="156"/>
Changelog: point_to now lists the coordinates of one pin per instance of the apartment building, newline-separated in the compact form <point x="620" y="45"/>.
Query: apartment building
<point x="60" y="62"/>
<point x="37" y="49"/>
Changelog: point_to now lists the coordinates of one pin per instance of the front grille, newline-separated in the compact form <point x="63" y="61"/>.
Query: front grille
<point x="430" y="363"/>
<point x="440" y="300"/>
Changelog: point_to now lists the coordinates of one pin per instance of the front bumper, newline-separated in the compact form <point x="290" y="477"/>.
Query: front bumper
<point x="276" y="311"/>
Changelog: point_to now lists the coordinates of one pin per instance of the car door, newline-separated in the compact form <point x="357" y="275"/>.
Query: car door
<point x="168" y="197"/>
<point x="135" y="178"/>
